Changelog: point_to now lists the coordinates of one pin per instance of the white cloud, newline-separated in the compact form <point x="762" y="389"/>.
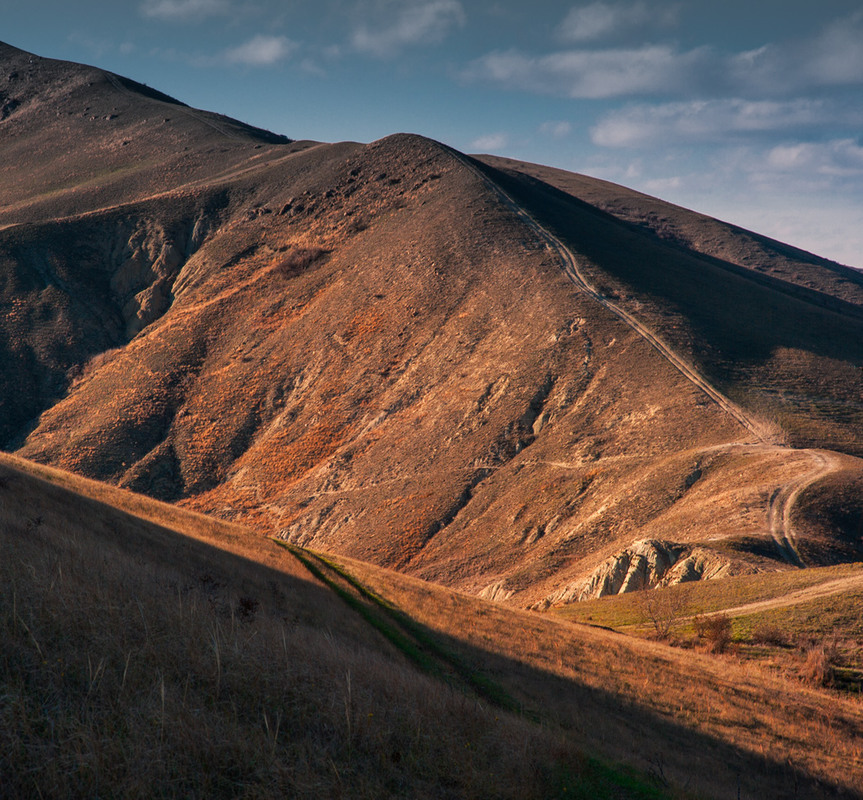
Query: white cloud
<point x="600" y="20"/>
<point x="591" y="74"/>
<point x="557" y="130"/>
<point x="833" y="57"/>
<point x="184" y="9"/>
<point x="714" y="121"/>
<point x="490" y="142"/>
<point x="660" y="186"/>
<point x="261" y="51"/>
<point x="840" y="158"/>
<point x="414" y="24"/>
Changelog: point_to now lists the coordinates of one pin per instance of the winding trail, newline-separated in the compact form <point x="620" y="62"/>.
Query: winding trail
<point x="785" y="496"/>
<point x="795" y="597"/>
<point x="574" y="273"/>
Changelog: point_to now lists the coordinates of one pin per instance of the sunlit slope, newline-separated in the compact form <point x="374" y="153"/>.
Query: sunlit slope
<point x="378" y="350"/>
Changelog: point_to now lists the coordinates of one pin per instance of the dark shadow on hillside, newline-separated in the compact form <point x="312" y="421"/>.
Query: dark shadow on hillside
<point x="601" y="722"/>
<point x="732" y="321"/>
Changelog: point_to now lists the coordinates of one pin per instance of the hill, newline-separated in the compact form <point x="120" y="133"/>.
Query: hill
<point x="150" y="651"/>
<point x="512" y="381"/>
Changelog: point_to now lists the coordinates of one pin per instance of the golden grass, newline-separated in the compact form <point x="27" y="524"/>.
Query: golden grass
<point x="142" y="661"/>
<point x="243" y="648"/>
<point x="662" y="706"/>
<point x="627" y="611"/>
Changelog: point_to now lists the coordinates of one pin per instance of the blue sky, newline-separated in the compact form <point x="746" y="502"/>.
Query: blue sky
<point x="748" y="111"/>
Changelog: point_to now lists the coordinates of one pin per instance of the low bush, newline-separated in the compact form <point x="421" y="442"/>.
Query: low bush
<point x="715" y="630"/>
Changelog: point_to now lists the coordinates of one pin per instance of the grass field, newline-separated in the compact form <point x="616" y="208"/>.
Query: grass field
<point x="194" y="658"/>
<point x="141" y="661"/>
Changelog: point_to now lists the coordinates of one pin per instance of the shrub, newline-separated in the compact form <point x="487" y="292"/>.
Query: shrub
<point x="819" y="667"/>
<point x="298" y="260"/>
<point x="715" y="630"/>
<point x="661" y="608"/>
<point x="765" y="633"/>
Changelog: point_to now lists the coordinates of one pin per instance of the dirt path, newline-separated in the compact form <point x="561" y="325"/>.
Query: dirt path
<point x="826" y="589"/>
<point x="784" y="497"/>
<point x="574" y="273"/>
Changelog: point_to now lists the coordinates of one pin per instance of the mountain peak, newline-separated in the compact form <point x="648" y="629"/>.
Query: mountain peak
<point x="489" y="374"/>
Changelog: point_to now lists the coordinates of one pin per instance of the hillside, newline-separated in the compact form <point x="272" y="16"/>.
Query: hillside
<point x="154" y="652"/>
<point x="511" y="381"/>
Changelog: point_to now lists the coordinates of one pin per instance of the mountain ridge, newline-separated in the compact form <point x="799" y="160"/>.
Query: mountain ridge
<point x="365" y="349"/>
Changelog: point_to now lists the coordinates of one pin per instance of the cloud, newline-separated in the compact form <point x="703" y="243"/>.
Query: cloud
<point x="600" y="20"/>
<point x="261" y="51"/>
<point x="184" y="9"/>
<point x="490" y="142"/>
<point x="804" y="193"/>
<point x="831" y="58"/>
<point x="591" y="74"/>
<point x="835" y="57"/>
<point x="840" y="158"/>
<point x="99" y="47"/>
<point x="415" y="23"/>
<point x="557" y="130"/>
<point x="714" y="121"/>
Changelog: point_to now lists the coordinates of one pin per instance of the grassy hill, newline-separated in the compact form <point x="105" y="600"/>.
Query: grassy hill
<point x="154" y="652"/>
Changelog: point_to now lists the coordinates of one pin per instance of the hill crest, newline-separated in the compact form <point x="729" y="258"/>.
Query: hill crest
<point x="486" y="374"/>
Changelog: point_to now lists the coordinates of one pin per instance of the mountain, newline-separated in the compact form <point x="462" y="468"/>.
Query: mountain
<point x="510" y="380"/>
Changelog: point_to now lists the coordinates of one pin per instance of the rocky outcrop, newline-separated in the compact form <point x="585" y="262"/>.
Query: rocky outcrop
<point x="645" y="564"/>
<point x="496" y="592"/>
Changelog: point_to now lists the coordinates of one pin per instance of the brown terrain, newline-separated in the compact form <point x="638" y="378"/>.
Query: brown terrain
<point x="465" y="379"/>
<point x="504" y="378"/>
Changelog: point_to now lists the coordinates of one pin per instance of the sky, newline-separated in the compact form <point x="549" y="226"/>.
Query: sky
<point x="751" y="111"/>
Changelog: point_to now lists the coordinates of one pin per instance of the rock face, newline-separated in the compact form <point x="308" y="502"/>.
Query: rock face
<point x="368" y="349"/>
<point x="645" y="564"/>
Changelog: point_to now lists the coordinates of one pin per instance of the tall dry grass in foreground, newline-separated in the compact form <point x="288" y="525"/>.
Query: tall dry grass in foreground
<point x="124" y="674"/>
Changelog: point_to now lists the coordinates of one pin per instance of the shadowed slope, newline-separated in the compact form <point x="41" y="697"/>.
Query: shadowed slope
<point x="178" y="655"/>
<point x="150" y="652"/>
<point x="780" y="330"/>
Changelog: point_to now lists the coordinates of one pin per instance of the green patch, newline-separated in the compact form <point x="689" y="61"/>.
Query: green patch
<point x="600" y="781"/>
<point x="705" y="597"/>
<point x="408" y="636"/>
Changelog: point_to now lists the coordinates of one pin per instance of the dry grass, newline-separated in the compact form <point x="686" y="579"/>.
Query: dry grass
<point x="141" y="662"/>
<point x="627" y="611"/>
<point x="659" y="706"/>
<point x="226" y="663"/>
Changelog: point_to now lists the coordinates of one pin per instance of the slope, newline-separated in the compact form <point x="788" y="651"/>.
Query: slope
<point x="77" y="138"/>
<point x="182" y="655"/>
<point x="371" y="350"/>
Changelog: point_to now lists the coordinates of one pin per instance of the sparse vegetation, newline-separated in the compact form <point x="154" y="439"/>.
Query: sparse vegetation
<point x="298" y="259"/>
<point x="435" y="395"/>
<point x="129" y="671"/>
<point x="662" y="609"/>
<point x="819" y="667"/>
